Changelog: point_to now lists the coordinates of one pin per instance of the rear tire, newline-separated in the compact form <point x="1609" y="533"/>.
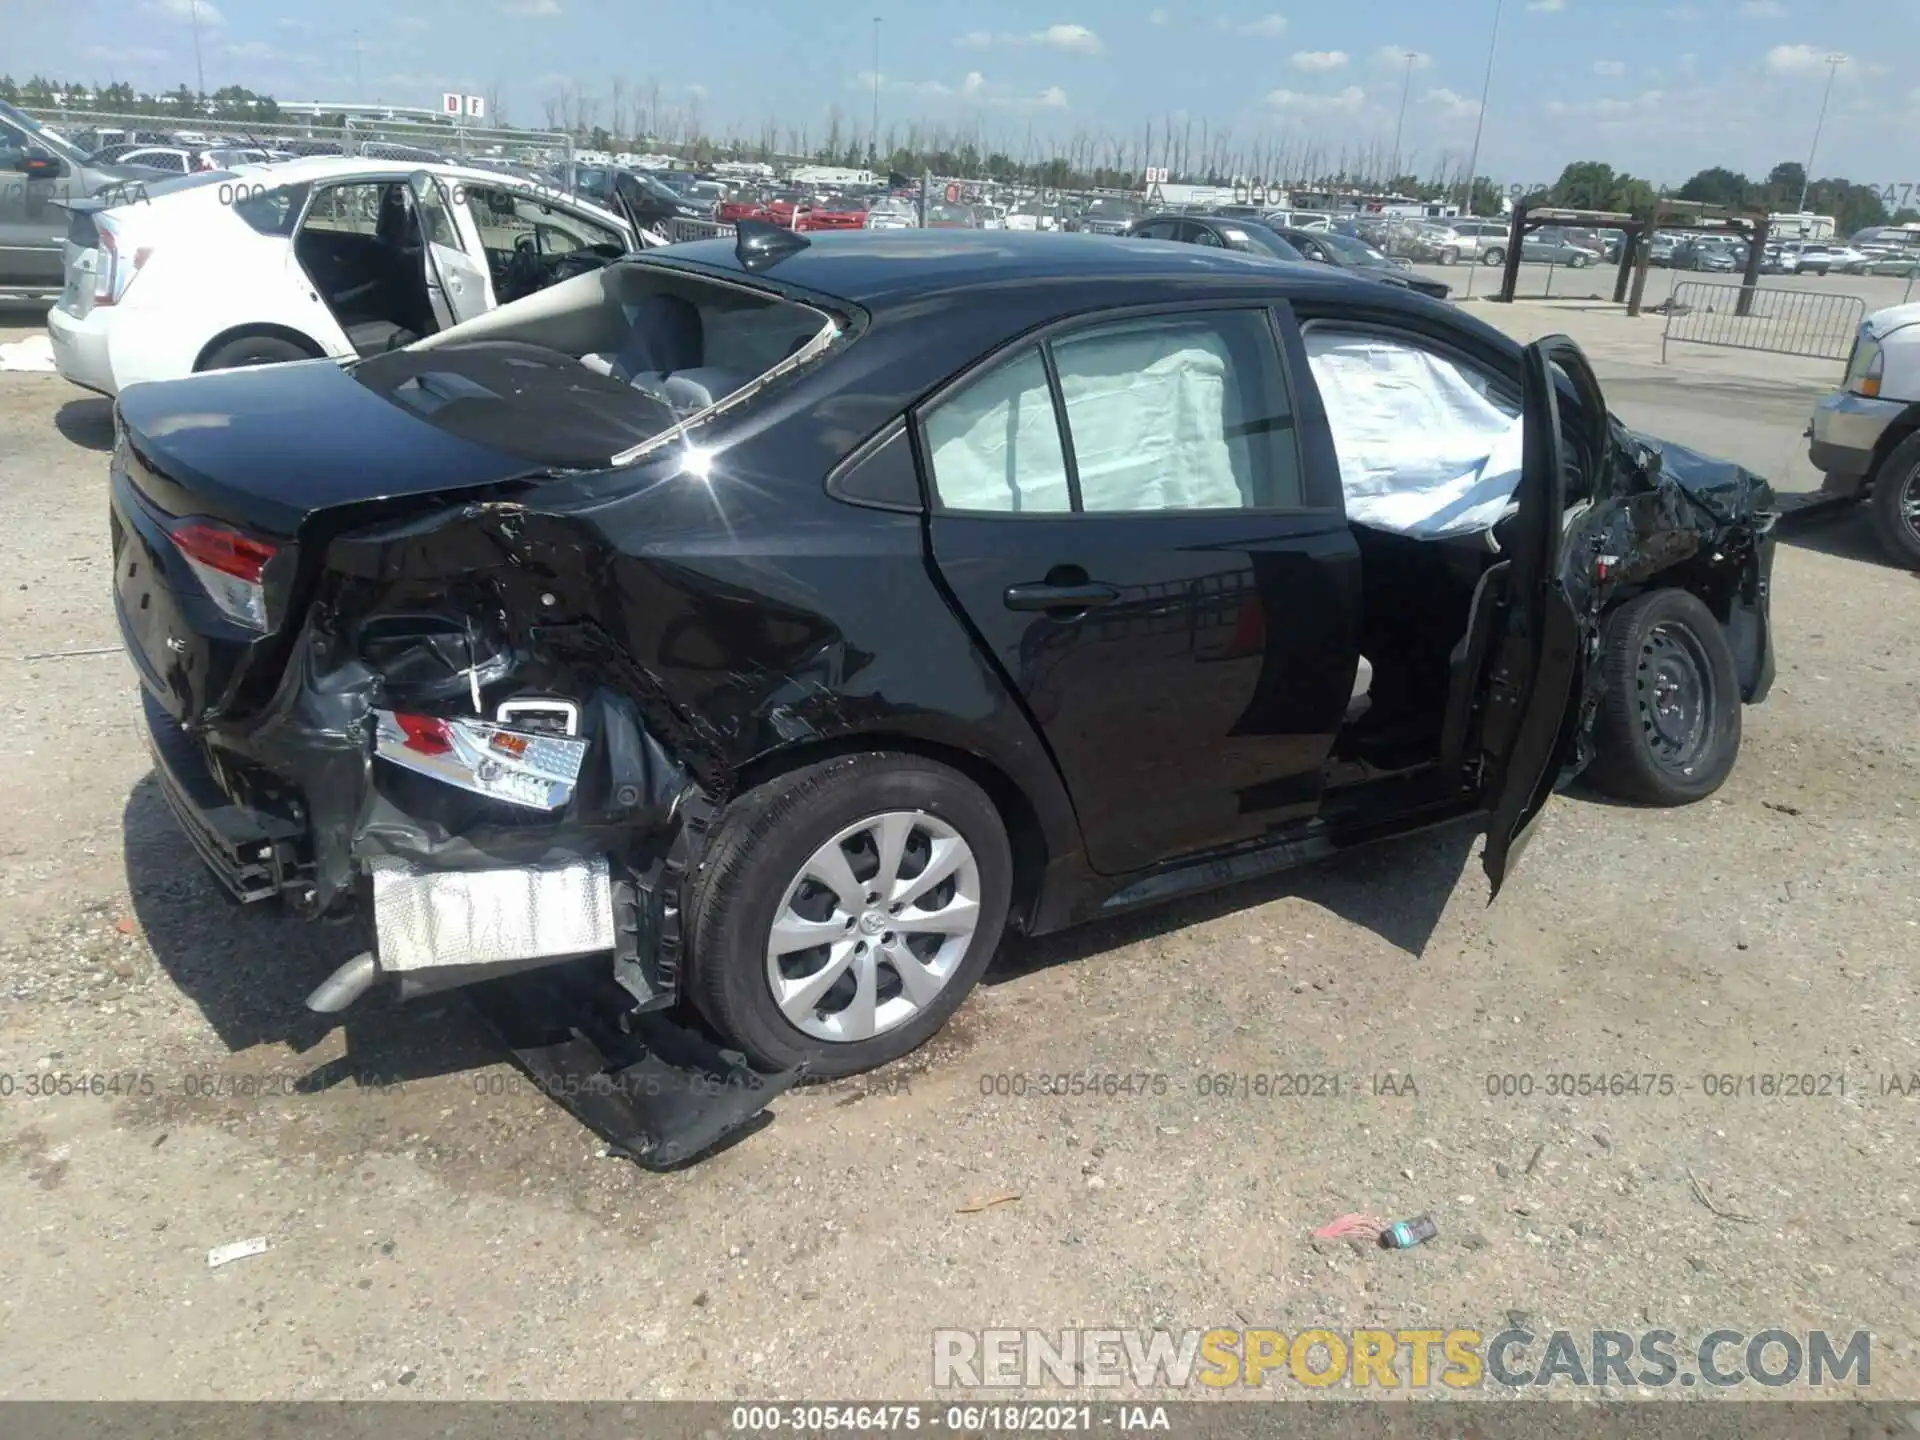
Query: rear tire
<point x="1495" y="256"/>
<point x="1668" y="731"/>
<point x="759" y="869"/>
<point x="1896" y="503"/>
<point x="1449" y="256"/>
<point x="255" y="350"/>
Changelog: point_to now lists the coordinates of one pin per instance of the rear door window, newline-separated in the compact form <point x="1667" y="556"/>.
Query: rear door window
<point x="1163" y="413"/>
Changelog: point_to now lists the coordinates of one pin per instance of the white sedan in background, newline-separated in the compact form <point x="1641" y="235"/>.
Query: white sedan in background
<point x="327" y="256"/>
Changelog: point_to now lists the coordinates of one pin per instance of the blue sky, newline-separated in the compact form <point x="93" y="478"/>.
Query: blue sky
<point x="1658" y="87"/>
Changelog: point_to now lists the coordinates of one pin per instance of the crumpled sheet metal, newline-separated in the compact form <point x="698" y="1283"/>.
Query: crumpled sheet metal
<point x="427" y="919"/>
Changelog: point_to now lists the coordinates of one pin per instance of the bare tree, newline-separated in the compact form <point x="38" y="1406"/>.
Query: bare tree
<point x="618" y="119"/>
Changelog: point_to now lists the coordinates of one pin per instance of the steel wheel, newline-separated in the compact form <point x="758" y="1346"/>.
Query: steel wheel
<point x="874" y="926"/>
<point x="1676" y="694"/>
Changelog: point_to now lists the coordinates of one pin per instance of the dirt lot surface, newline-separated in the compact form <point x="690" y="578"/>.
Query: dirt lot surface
<point x="451" y="1233"/>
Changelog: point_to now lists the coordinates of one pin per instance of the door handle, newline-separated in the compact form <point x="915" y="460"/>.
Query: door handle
<point x="1060" y="597"/>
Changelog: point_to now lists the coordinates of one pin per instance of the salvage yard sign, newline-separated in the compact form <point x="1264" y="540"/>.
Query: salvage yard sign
<point x="473" y="107"/>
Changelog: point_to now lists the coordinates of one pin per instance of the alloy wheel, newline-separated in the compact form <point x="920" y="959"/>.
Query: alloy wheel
<point x="874" y="926"/>
<point x="1675" y="681"/>
<point x="1908" y="504"/>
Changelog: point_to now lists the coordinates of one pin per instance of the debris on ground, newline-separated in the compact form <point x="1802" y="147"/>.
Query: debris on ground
<point x="33" y="353"/>
<point x="238" y="1250"/>
<point x="974" y="1207"/>
<point x="1701" y="1194"/>
<point x="1405" y="1234"/>
<point x="1351" y="1227"/>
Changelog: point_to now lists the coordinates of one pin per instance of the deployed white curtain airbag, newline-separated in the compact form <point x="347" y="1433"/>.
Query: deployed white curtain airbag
<point x="1424" y="450"/>
<point x="1150" y="407"/>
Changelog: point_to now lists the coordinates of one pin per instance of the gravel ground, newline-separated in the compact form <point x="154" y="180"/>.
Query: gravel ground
<point x="448" y="1233"/>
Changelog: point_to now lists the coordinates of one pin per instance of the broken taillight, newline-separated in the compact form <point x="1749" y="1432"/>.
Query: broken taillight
<point x="425" y="734"/>
<point x="229" y="567"/>
<point x="520" y="767"/>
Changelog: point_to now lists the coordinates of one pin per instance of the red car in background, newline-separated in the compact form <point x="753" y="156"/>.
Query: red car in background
<point x="814" y="215"/>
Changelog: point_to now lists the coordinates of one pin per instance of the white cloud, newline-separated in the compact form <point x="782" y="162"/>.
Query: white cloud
<point x="411" y="22"/>
<point x="1318" y="62"/>
<point x="1682" y="15"/>
<point x="697" y="91"/>
<point x="1608" y="107"/>
<point x="255" y="50"/>
<point x="1348" y="101"/>
<point x="1763" y="9"/>
<point x="290" y="23"/>
<point x="130" y="55"/>
<point x="1267" y="27"/>
<point x="1453" y="105"/>
<point x="1609" y="67"/>
<point x="974" y="88"/>
<point x="1160" y="17"/>
<point x="530" y="9"/>
<point x="1797" y="59"/>
<point x="1394" y="57"/>
<point x="185" y="12"/>
<point x="1547" y="7"/>
<point x="1076" y="39"/>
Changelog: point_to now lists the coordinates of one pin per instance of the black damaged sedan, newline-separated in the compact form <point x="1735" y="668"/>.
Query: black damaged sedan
<point x="766" y="626"/>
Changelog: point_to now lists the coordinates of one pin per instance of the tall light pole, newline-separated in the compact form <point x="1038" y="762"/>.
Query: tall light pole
<point x="1834" y="62"/>
<point x="873" y="139"/>
<point x="1486" y="89"/>
<point x="199" y="71"/>
<point x="1400" y="124"/>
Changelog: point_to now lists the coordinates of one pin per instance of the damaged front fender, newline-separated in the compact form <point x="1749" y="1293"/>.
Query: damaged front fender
<point x="1664" y="516"/>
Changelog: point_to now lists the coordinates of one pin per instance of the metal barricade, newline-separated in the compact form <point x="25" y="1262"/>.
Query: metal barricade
<point x="1818" y="324"/>
<point x="679" y="231"/>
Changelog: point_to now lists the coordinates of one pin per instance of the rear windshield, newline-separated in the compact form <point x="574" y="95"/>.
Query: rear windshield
<point x="584" y="374"/>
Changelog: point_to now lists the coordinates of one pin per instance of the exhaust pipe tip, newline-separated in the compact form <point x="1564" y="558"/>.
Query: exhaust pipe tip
<point x="345" y="985"/>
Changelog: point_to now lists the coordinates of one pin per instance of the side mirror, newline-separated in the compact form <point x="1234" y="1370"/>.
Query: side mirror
<point x="38" y="164"/>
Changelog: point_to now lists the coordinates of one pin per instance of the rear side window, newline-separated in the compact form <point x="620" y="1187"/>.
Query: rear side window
<point x="1180" y="412"/>
<point x="1163" y="413"/>
<point x="269" y="209"/>
<point x="995" y="445"/>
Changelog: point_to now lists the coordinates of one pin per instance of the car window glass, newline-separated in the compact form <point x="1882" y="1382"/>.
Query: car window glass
<point x="353" y="209"/>
<point x="1179" y="412"/>
<point x="1158" y="230"/>
<point x="994" y="445"/>
<point x="268" y="209"/>
<point x="1204" y="236"/>
<point x="504" y="217"/>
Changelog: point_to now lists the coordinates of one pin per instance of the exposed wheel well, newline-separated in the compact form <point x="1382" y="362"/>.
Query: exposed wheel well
<point x="243" y="332"/>
<point x="1715" y="586"/>
<point x="1890" y="440"/>
<point x="1024" y="833"/>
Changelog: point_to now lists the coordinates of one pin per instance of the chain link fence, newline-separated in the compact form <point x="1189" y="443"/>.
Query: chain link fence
<point x="377" y="139"/>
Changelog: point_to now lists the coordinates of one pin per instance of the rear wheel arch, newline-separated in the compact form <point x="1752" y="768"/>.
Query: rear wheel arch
<point x="262" y="330"/>
<point x="1032" y="846"/>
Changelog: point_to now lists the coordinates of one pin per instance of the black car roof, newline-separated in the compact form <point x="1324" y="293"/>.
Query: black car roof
<point x="879" y="270"/>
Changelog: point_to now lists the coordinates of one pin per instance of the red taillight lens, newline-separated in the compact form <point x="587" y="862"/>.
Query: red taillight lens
<point x="227" y="551"/>
<point x="425" y="734"/>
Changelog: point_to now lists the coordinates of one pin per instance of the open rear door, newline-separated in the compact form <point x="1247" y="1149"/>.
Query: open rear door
<point x="1539" y="648"/>
<point x="458" y="287"/>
